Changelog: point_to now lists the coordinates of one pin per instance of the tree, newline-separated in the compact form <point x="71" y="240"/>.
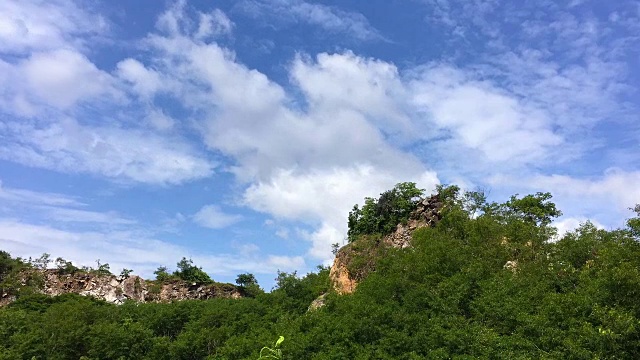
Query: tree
<point x="380" y="216"/>
<point x="125" y="273"/>
<point x="634" y="223"/>
<point x="162" y="273"/>
<point x="534" y="208"/>
<point x="42" y="262"/>
<point x="103" y="269"/>
<point x="335" y="247"/>
<point x="246" y="280"/>
<point x="65" y="267"/>
<point x="189" y="272"/>
<point x="249" y="284"/>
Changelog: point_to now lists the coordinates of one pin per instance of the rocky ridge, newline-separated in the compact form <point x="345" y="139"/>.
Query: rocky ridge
<point x="118" y="289"/>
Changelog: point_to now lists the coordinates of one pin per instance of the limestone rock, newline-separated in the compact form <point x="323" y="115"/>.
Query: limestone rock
<point x="117" y="289"/>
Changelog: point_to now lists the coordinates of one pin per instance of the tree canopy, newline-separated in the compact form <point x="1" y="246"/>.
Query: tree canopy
<point x="381" y="215"/>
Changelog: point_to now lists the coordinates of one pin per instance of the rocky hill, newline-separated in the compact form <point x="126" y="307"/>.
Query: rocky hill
<point x="357" y="259"/>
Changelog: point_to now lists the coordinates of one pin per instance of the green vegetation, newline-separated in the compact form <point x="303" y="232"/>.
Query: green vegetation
<point x="380" y="216"/>
<point x="489" y="281"/>
<point x="188" y="272"/>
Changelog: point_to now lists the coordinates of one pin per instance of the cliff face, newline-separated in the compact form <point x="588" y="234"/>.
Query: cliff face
<point x="341" y="280"/>
<point x="357" y="259"/>
<point x="117" y="289"/>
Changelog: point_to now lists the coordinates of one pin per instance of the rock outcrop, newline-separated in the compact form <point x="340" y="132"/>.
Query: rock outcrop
<point x="342" y="281"/>
<point x="110" y="288"/>
<point x="118" y="289"/>
<point x="344" y="278"/>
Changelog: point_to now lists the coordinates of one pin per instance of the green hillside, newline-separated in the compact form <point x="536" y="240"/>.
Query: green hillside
<point x="489" y="281"/>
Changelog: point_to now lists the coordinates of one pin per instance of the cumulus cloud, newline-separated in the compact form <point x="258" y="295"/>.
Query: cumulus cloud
<point x="324" y="198"/>
<point x="616" y="185"/>
<point x="483" y="117"/>
<point x="61" y="78"/>
<point x="212" y="24"/>
<point x="144" y="82"/>
<point x="604" y="199"/>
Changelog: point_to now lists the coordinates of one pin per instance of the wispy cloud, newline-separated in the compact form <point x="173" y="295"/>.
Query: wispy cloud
<point x="213" y="217"/>
<point x="328" y="18"/>
<point x="28" y="197"/>
<point x="56" y="24"/>
<point x="124" y="155"/>
<point x="131" y="249"/>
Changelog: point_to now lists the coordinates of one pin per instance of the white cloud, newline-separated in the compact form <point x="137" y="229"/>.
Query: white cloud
<point x="286" y="262"/>
<point x="282" y="233"/>
<point x="329" y="18"/>
<point x="131" y="155"/>
<point x="483" y="117"/>
<point x="212" y="24"/>
<point x="145" y="82"/>
<point x="616" y="185"/>
<point x="604" y="199"/>
<point x="324" y="198"/>
<point x="346" y="81"/>
<point x="110" y="218"/>
<point x="27" y="25"/>
<point x="159" y="120"/>
<point x="177" y="20"/>
<point x="63" y="77"/>
<point x="14" y="195"/>
<point x="213" y="217"/>
<point x="570" y="224"/>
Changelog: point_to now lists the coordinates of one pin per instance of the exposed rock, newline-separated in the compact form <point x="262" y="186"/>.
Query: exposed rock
<point x="427" y="213"/>
<point x="110" y="288"/>
<point x="182" y="290"/>
<point x="318" y="303"/>
<point x="343" y="282"/>
<point x="117" y="289"/>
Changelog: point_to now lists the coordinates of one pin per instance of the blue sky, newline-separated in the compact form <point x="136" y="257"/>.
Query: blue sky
<point x="240" y="133"/>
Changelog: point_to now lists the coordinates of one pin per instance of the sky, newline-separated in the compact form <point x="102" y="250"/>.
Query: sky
<point x="240" y="133"/>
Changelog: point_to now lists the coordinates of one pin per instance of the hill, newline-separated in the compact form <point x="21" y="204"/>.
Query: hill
<point x="477" y="280"/>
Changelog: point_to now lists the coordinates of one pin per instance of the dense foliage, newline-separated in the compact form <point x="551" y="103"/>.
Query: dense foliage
<point x="381" y="215"/>
<point x="490" y="281"/>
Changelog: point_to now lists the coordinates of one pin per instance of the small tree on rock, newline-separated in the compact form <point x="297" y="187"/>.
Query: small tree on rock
<point x="189" y="272"/>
